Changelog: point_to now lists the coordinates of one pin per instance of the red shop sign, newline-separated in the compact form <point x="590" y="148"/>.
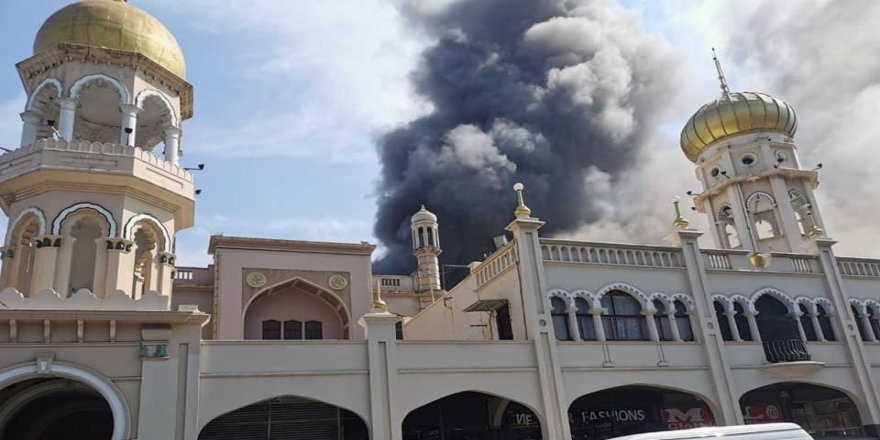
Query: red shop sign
<point x="762" y="414"/>
<point x="684" y="418"/>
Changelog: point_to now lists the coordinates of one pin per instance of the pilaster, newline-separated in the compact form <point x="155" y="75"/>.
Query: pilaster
<point x="705" y="313"/>
<point x="120" y="265"/>
<point x="538" y="322"/>
<point x="129" y="122"/>
<point x="67" y="116"/>
<point x="163" y="274"/>
<point x="45" y="260"/>
<point x="30" y="126"/>
<point x="848" y="330"/>
<point x="385" y="422"/>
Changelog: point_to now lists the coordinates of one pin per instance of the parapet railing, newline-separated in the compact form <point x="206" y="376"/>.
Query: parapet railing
<point x="497" y="263"/>
<point x="733" y="259"/>
<point x="611" y="254"/>
<point x="859" y="267"/>
<point x="395" y="283"/>
<point x="106" y="149"/>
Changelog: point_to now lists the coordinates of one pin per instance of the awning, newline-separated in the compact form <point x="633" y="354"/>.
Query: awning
<point x="486" y="305"/>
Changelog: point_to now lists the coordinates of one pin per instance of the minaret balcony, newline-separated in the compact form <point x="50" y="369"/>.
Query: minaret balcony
<point x="59" y="165"/>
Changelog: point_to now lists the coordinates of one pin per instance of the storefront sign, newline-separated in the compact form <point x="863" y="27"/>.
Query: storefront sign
<point x="684" y="418"/>
<point x="630" y="415"/>
<point x="762" y="414"/>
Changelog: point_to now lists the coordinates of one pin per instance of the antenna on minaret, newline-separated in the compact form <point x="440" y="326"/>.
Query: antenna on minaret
<point x="724" y="89"/>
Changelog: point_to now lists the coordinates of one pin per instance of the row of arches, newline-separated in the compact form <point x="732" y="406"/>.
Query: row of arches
<point x="77" y="247"/>
<point x="89" y="109"/>
<point x="621" y="312"/>
<point x="613" y="412"/>
<point x="742" y="318"/>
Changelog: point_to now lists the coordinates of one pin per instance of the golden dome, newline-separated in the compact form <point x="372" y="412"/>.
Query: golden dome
<point x="733" y="114"/>
<point x="112" y="24"/>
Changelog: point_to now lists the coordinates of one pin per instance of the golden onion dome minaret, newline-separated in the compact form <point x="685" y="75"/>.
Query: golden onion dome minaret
<point x="734" y="114"/>
<point x="112" y="24"/>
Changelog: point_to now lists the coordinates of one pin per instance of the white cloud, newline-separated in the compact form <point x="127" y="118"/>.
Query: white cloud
<point x="333" y="74"/>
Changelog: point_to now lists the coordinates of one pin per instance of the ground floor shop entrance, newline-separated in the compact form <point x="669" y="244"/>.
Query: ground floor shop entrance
<point x="472" y="416"/>
<point x="49" y="409"/>
<point x="820" y="410"/>
<point x="286" y="418"/>
<point x="635" y="409"/>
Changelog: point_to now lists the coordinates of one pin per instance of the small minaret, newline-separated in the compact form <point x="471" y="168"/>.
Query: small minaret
<point x="426" y="248"/>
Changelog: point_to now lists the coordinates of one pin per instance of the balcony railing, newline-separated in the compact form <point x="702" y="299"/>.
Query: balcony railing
<point x="782" y="340"/>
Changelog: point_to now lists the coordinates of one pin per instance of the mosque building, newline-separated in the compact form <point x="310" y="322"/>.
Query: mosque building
<point x="103" y="336"/>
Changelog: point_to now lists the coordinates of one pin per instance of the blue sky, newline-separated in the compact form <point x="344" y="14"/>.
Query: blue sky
<point x="289" y="96"/>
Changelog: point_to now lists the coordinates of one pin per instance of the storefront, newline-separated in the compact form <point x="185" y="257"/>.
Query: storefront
<point x="634" y="409"/>
<point x="472" y="416"/>
<point x="819" y="410"/>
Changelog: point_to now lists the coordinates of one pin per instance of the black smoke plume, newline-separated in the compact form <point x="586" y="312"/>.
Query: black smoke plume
<point x="551" y="93"/>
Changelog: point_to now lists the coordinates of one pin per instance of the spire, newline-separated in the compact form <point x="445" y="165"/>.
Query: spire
<point x="679" y="222"/>
<point x="522" y="211"/>
<point x="724" y="89"/>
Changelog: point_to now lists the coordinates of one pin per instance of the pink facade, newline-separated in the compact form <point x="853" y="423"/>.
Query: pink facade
<point x="234" y="257"/>
<point x="291" y="304"/>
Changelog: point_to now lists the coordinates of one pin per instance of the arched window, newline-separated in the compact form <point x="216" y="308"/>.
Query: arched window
<point x="723" y="323"/>
<point x="825" y="323"/>
<point x="742" y="322"/>
<point x="430" y="237"/>
<point x="560" y="319"/>
<point x="807" y="324"/>
<point x="23" y="252"/>
<point x="683" y="321"/>
<point x="861" y="325"/>
<point x="271" y="329"/>
<point x="314" y="330"/>
<point x="727" y="228"/>
<point x="585" y="320"/>
<point x="762" y="209"/>
<point x="774" y="321"/>
<point x="293" y="330"/>
<point x="623" y="320"/>
<point x="146" y="243"/>
<point x="661" y="319"/>
<point x="873" y="319"/>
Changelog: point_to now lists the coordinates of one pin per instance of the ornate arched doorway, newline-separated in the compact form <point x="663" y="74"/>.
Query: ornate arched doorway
<point x="472" y="415"/>
<point x="295" y="310"/>
<point x="820" y="410"/>
<point x="55" y="408"/>
<point x="287" y="418"/>
<point x="635" y="409"/>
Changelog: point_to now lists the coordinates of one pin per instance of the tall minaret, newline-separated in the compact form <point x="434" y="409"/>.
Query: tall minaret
<point x="755" y="190"/>
<point x="95" y="193"/>
<point x="426" y="248"/>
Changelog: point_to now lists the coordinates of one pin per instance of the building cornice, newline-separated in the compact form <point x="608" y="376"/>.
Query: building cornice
<point x="267" y="244"/>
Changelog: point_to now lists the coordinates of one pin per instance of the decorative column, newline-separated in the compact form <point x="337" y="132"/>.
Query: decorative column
<point x="575" y="332"/>
<point x="707" y="325"/>
<point x="129" y="122"/>
<point x="753" y="325"/>
<point x="66" y="117"/>
<point x="45" y="260"/>
<point x="172" y="144"/>
<point x="731" y="322"/>
<point x="820" y="334"/>
<point x="29" y="129"/>
<point x="652" y="324"/>
<point x="7" y="255"/>
<point x="596" y="314"/>
<point x="673" y="325"/>
<point x="386" y="422"/>
<point x="120" y="266"/>
<point x="866" y="323"/>
<point x="797" y="317"/>
<point x="848" y="333"/>
<point x="538" y="320"/>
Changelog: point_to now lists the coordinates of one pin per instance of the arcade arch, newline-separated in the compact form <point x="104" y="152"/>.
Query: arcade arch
<point x="287" y="418"/>
<point x="820" y="410"/>
<point x="473" y="415"/>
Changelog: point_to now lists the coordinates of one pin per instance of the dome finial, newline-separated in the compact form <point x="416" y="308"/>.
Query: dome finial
<point x="725" y="90"/>
<point x="521" y="211"/>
